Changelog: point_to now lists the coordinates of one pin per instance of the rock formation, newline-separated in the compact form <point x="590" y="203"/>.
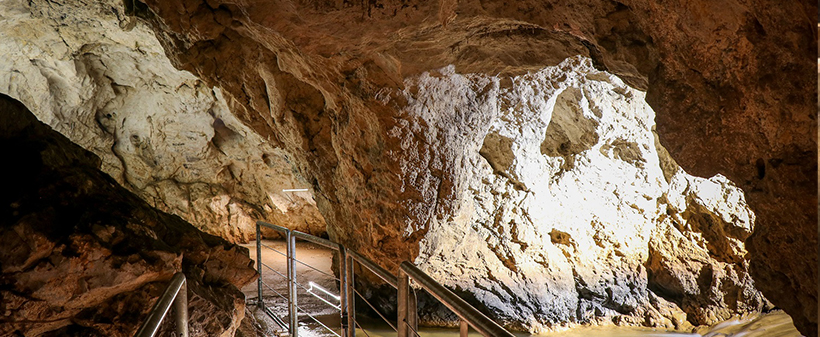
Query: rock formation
<point x="102" y="79"/>
<point x="418" y="124"/>
<point x="731" y="83"/>
<point x="565" y="210"/>
<point x="83" y="256"/>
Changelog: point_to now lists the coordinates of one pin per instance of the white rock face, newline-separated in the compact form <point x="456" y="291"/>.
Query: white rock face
<point x="103" y="80"/>
<point x="559" y="211"/>
<point x="549" y="200"/>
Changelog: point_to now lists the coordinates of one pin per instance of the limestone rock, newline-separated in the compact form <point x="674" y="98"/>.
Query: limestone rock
<point x="731" y="82"/>
<point x="82" y="256"/>
<point x="697" y="255"/>
<point x="578" y="225"/>
<point x="736" y="101"/>
<point x="102" y="79"/>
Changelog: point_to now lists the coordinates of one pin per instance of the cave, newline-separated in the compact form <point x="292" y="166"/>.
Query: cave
<point x="634" y="163"/>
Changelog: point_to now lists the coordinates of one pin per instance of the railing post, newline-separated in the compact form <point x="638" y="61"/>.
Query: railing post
<point x="294" y="318"/>
<point x="343" y="289"/>
<point x="176" y="295"/>
<point x="181" y="309"/>
<point x="407" y="302"/>
<point x="260" y="303"/>
<point x="351" y="295"/>
<point x="481" y="323"/>
<point x="412" y="308"/>
<point x="406" y="314"/>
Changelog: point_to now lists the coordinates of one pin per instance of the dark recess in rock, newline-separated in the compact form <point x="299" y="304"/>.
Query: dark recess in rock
<point x="82" y="256"/>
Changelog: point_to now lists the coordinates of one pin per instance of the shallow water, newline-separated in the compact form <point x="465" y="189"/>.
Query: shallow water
<point x="384" y="331"/>
<point x="577" y="332"/>
<point x="774" y="324"/>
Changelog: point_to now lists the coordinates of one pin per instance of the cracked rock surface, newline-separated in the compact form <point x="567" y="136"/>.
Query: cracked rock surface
<point x="731" y="81"/>
<point x="384" y="106"/>
<point x="102" y="79"/>
<point x="82" y="256"/>
<point x="590" y="230"/>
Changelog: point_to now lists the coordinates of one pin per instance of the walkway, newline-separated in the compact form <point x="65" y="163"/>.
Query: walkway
<point x="316" y="256"/>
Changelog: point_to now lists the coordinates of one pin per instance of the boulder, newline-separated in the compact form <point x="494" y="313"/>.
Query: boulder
<point x="560" y="211"/>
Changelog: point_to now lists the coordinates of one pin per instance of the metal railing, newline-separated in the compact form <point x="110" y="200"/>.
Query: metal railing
<point x="468" y="314"/>
<point x="353" y="258"/>
<point x="293" y="284"/>
<point x="177" y="294"/>
<point x="407" y="304"/>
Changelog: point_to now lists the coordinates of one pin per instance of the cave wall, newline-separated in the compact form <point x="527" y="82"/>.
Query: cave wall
<point x="563" y="209"/>
<point x="82" y="256"/>
<point x="323" y="87"/>
<point x="731" y="82"/>
<point x="101" y="78"/>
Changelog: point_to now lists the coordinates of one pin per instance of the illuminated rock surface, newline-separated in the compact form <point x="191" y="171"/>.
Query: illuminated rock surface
<point x="732" y="84"/>
<point x="102" y="79"/>
<point x="420" y="125"/>
<point x="561" y="212"/>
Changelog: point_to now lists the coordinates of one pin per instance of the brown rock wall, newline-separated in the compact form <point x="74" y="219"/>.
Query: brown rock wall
<point x="83" y="256"/>
<point x="731" y="81"/>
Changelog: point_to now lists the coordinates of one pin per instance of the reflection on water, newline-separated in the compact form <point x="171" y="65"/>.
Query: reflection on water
<point x="610" y="332"/>
<point x="576" y="332"/>
<point x="774" y="324"/>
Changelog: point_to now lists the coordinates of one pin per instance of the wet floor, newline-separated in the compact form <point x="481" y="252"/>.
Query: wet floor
<point x="316" y="273"/>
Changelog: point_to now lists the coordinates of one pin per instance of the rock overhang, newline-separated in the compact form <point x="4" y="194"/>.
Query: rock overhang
<point x="726" y="81"/>
<point x="730" y="81"/>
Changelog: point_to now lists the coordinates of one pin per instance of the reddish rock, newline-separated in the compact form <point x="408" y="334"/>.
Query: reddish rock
<point x="83" y="256"/>
<point x="732" y="83"/>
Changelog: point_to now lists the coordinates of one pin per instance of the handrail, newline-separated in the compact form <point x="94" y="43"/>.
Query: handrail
<point x="290" y="237"/>
<point x="464" y="310"/>
<point x="279" y="229"/>
<point x="407" y="310"/>
<point x="376" y="269"/>
<point x="317" y="240"/>
<point x="351" y="257"/>
<point x="177" y="294"/>
<point x="291" y="271"/>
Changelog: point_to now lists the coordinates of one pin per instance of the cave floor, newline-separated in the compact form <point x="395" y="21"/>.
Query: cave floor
<point x="313" y="255"/>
